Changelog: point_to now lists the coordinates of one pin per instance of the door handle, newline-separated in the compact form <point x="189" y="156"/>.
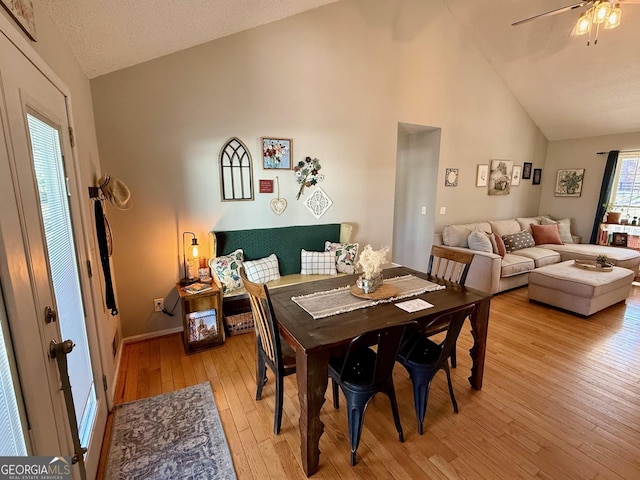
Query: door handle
<point x="50" y="315"/>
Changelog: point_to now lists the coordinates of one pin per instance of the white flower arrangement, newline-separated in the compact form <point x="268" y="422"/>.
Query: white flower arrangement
<point x="371" y="261"/>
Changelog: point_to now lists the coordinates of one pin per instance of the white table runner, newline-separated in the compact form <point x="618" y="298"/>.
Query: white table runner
<point x="340" y="300"/>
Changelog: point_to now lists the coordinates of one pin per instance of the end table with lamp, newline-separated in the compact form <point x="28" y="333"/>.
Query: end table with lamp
<point x="201" y="318"/>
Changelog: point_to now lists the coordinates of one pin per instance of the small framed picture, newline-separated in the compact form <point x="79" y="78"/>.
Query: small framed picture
<point x="276" y="153"/>
<point x="619" y="239"/>
<point x="526" y="170"/>
<point x="451" y="177"/>
<point x="515" y="175"/>
<point x="537" y="176"/>
<point x="482" y="176"/>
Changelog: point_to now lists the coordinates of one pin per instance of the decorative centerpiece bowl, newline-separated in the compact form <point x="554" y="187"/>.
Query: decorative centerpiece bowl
<point x="371" y="262"/>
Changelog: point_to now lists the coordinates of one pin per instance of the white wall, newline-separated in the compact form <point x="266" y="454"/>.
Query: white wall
<point x="337" y="80"/>
<point x="580" y="153"/>
<point x="51" y="48"/>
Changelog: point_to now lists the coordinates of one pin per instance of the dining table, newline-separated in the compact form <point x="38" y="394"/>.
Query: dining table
<point x="316" y="340"/>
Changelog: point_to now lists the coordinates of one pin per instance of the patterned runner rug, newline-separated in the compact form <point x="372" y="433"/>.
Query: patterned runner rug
<point x="340" y="300"/>
<point x="176" y="435"/>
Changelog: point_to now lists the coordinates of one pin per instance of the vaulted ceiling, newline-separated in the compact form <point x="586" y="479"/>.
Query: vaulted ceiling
<point x="569" y="89"/>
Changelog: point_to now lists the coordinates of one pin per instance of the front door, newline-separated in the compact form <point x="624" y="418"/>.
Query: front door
<point x="48" y="296"/>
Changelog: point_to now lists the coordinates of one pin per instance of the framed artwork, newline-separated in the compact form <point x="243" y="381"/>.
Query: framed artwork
<point x="500" y="177"/>
<point x="537" y="176"/>
<point x="276" y="153"/>
<point x="515" y="176"/>
<point x="22" y="12"/>
<point x="526" y="170"/>
<point x="451" y="177"/>
<point x="569" y="182"/>
<point x="482" y="175"/>
<point x="265" y="186"/>
<point x="619" y="239"/>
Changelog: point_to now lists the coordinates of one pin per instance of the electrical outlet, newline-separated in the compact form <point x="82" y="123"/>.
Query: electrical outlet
<point x="158" y="304"/>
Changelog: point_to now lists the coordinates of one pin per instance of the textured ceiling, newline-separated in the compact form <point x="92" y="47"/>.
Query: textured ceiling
<point x="109" y="35"/>
<point x="569" y="90"/>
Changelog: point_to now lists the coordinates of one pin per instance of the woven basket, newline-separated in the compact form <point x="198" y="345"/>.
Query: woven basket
<point x="240" y="323"/>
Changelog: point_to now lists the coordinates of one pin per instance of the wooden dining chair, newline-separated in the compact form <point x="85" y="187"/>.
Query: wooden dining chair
<point x="449" y="264"/>
<point x="272" y="350"/>
<point x="423" y="358"/>
<point x="363" y="372"/>
<point x="453" y="266"/>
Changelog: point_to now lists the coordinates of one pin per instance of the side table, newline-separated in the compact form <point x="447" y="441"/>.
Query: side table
<point x="201" y="318"/>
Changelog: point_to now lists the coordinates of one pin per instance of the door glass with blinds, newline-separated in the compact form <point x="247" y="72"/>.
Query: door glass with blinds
<point x="61" y="255"/>
<point x="12" y="439"/>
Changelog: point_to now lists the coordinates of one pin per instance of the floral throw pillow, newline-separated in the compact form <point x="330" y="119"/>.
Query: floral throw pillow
<point x="518" y="241"/>
<point x="345" y="255"/>
<point x="226" y="268"/>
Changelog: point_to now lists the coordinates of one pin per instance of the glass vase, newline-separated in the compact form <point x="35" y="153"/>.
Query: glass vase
<point x="369" y="285"/>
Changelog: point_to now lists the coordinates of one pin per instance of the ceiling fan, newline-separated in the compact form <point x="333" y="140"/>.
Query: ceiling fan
<point x="599" y="12"/>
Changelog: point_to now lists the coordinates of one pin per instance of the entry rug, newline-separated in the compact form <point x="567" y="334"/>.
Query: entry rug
<point x="176" y="435"/>
<point x="340" y="300"/>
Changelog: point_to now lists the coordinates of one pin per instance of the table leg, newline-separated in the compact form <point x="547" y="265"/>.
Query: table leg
<point x="312" y="376"/>
<point x="479" y="327"/>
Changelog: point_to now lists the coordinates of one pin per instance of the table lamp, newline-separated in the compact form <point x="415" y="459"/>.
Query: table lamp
<point x="193" y="253"/>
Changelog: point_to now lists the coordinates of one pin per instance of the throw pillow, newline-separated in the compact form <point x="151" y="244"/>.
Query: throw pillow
<point x="546" y="234"/>
<point x="226" y="267"/>
<point x="479" y="241"/>
<point x="518" y="241"/>
<point x="263" y="270"/>
<point x="564" y="227"/>
<point x="501" y="248"/>
<point x="455" y="236"/>
<point x="317" y="263"/>
<point x="345" y="255"/>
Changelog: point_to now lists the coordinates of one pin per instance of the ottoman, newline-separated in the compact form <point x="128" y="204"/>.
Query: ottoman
<point x="581" y="291"/>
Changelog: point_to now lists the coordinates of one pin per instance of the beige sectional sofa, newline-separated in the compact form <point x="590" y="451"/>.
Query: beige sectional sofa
<point x="492" y="273"/>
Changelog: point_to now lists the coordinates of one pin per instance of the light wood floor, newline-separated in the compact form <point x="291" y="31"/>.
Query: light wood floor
<point x="561" y="400"/>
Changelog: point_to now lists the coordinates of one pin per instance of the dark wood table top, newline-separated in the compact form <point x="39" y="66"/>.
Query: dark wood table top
<point x="302" y="330"/>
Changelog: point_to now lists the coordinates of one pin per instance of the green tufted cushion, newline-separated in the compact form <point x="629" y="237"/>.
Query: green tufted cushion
<point x="285" y="242"/>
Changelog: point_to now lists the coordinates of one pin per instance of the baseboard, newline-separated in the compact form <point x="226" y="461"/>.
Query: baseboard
<point x="147" y="336"/>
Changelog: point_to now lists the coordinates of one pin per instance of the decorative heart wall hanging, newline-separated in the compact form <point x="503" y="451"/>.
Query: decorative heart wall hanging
<point x="278" y="205"/>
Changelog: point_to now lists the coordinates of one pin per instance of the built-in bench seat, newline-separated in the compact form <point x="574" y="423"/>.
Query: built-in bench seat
<point x="286" y="243"/>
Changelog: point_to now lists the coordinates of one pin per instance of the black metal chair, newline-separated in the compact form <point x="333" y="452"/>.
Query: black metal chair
<point x="453" y="266"/>
<point x="423" y="358"/>
<point x="272" y="351"/>
<point x="361" y="373"/>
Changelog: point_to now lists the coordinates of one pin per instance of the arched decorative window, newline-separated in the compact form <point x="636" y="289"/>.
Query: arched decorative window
<point x="236" y="173"/>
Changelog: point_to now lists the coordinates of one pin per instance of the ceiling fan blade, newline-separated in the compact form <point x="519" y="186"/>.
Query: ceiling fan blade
<point x="553" y="12"/>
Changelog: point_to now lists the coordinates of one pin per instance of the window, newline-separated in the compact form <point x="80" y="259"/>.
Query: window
<point x="625" y="195"/>
<point x="235" y="171"/>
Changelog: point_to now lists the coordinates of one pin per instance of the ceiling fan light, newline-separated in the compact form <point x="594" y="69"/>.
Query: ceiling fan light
<point x="583" y="25"/>
<point x="613" y="20"/>
<point x="601" y="11"/>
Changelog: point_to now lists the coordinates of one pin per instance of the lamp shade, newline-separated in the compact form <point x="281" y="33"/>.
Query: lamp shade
<point x="613" y="20"/>
<point x="583" y="25"/>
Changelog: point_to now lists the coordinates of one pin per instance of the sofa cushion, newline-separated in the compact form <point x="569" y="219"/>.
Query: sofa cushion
<point x="225" y="268"/>
<point x="564" y="227"/>
<point x="515" y="265"/>
<point x="501" y="248"/>
<point x="317" y="263"/>
<point x="543" y="234"/>
<point x="505" y="227"/>
<point x="622" y="257"/>
<point x="540" y="256"/>
<point x="480" y="241"/>
<point x="457" y="235"/>
<point x="263" y="270"/>
<point x="345" y="253"/>
<point x="517" y="241"/>
<point x="525" y="222"/>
